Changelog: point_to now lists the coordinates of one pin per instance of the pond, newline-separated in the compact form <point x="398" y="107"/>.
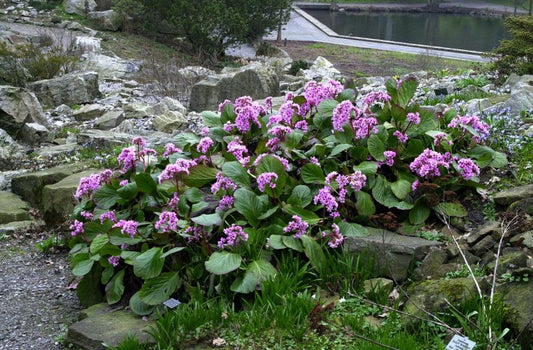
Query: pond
<point x="446" y="30"/>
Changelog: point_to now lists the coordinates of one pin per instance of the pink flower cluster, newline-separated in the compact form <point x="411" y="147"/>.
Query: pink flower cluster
<point x="168" y="221"/>
<point x="77" y="228"/>
<point x="204" y="145"/>
<point x="297" y="225"/>
<point x="325" y="198"/>
<point x="315" y="93"/>
<point x="109" y="215"/>
<point x="91" y="183"/>
<point x="225" y="203"/>
<point x="234" y="233"/>
<point x="375" y="97"/>
<point x="248" y="113"/>
<point x="389" y="157"/>
<point x="266" y="179"/>
<point x="114" y="260"/>
<point x="468" y="168"/>
<point x="428" y="162"/>
<point x="197" y="233"/>
<point x="401" y="136"/>
<point x="440" y="138"/>
<point x="170" y="148"/>
<point x="127" y="159"/>
<point x="223" y="184"/>
<point x="413" y="118"/>
<point x="127" y="227"/>
<point x="181" y="166"/>
<point x="482" y="128"/>
<point x="357" y="180"/>
<point x="335" y="237"/>
<point x="363" y="126"/>
<point x="239" y="150"/>
<point x="342" y="114"/>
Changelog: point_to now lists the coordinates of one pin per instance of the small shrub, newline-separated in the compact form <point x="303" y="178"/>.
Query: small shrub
<point x="516" y="55"/>
<point x="478" y="81"/>
<point x="297" y="65"/>
<point x="214" y="212"/>
<point x="266" y="49"/>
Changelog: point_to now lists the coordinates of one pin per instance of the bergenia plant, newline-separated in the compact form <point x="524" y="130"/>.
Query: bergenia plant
<point x="210" y="213"/>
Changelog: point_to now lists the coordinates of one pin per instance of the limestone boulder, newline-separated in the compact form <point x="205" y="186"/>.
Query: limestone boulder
<point x="13" y="208"/>
<point x="10" y="151"/>
<point x="509" y="196"/>
<point x="104" y="20"/>
<point x="518" y="296"/>
<point x="69" y="89"/>
<point x="169" y="122"/>
<point x="89" y="112"/>
<point x="109" y="67"/>
<point x="322" y="70"/>
<point x="30" y="185"/>
<point x="256" y="80"/>
<point x="393" y="254"/>
<point x="101" y="323"/>
<point x="109" y="120"/>
<point x="79" y="7"/>
<point x="19" y="106"/>
<point x="58" y="199"/>
<point x="34" y="133"/>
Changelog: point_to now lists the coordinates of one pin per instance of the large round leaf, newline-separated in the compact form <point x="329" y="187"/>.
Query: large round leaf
<point x="257" y="271"/>
<point x="149" y="264"/>
<point x="221" y="263"/>
<point x="157" y="290"/>
<point x="115" y="288"/>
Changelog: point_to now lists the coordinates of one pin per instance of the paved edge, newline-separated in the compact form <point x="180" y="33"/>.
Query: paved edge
<point x="326" y="30"/>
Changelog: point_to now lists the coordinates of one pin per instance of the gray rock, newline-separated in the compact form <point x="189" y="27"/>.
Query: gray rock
<point x="10" y="151"/>
<point x="109" y="120"/>
<point x="79" y="6"/>
<point x="89" y="112"/>
<point x="103" y="324"/>
<point x="255" y="80"/>
<point x="30" y="185"/>
<point x="514" y="194"/>
<point x="20" y="226"/>
<point x="322" y="70"/>
<point x="492" y="228"/>
<point x="135" y="110"/>
<point x="103" y="139"/>
<point x="86" y="44"/>
<point x="104" y="20"/>
<point x="12" y="208"/>
<point x="378" y="285"/>
<point x="34" y="133"/>
<point x="70" y="89"/>
<point x="109" y="67"/>
<point x="394" y="254"/>
<point x="18" y="106"/>
<point x="58" y="199"/>
<point x="510" y="260"/>
<point x="518" y="296"/>
<point x="434" y="266"/>
<point x="169" y="122"/>
<point x="484" y="245"/>
<point x="525" y="240"/>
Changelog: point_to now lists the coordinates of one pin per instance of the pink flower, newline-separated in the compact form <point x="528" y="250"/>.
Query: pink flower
<point x="302" y="125"/>
<point x="389" y="157"/>
<point x="204" y="145"/>
<point x="114" y="260"/>
<point x="297" y="225"/>
<point x="468" y="168"/>
<point x="168" y="221"/>
<point x="225" y="203"/>
<point x="428" y="162"/>
<point x="357" y="180"/>
<point x="127" y="227"/>
<point x="237" y="149"/>
<point x="139" y="141"/>
<point x="110" y="215"/>
<point x="181" y="166"/>
<point x="482" y="128"/>
<point x="170" y="148"/>
<point x="91" y="183"/>
<point x="233" y="234"/>
<point x="77" y="228"/>
<point x="363" y="126"/>
<point x="223" y="184"/>
<point x="174" y="202"/>
<point x="335" y="237"/>
<point x="415" y="185"/>
<point x="413" y="118"/>
<point x="124" y="182"/>
<point x="342" y="114"/>
<point x="375" y="97"/>
<point x="87" y="215"/>
<point x="266" y="179"/>
<point x="401" y="137"/>
<point x="223" y="104"/>
<point x="325" y="198"/>
<point x="127" y="159"/>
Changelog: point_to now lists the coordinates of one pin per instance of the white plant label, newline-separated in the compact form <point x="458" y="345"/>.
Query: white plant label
<point x="171" y="303"/>
<point x="460" y="343"/>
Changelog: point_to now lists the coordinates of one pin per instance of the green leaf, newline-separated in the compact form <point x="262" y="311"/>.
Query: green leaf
<point x="81" y="264"/>
<point x="200" y="175"/>
<point x="98" y="243"/>
<point x="157" y="290"/>
<point x="348" y="94"/>
<point x="129" y="191"/>
<point x="105" y="197"/>
<point x="236" y="173"/>
<point x="293" y="243"/>
<point x="149" y="264"/>
<point x="364" y="205"/>
<point x="413" y="149"/>
<point x="339" y="149"/>
<point x="300" y="196"/>
<point x="451" y="209"/>
<point x="352" y="230"/>
<point x="115" y="288"/>
<point x="367" y="168"/>
<point x="107" y="274"/>
<point x="257" y="271"/>
<point x="146" y="183"/>
<point x="420" y="212"/>
<point x="249" y="205"/>
<point x="211" y="119"/>
<point x="401" y="188"/>
<point x="268" y="213"/>
<point x="376" y="147"/>
<point x="221" y="263"/>
<point x="276" y="242"/>
<point x="185" y="139"/>
<point x="313" y="251"/>
<point x="208" y="220"/>
<point x="312" y="173"/>
<point x="194" y="195"/>
<point x="89" y="290"/>
<point x="382" y="193"/>
<point x="307" y="215"/>
<point x="326" y="107"/>
<point x="407" y="91"/>
<point x="122" y="239"/>
<point x="172" y="251"/>
<point x="138" y="307"/>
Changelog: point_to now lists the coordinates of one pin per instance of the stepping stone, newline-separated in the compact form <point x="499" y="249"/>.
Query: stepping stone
<point x="30" y="185"/>
<point x="58" y="199"/>
<point x="102" y="324"/>
<point x="393" y="254"/>
<point x="13" y="208"/>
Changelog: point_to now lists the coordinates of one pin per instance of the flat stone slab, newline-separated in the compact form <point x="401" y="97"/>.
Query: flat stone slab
<point x="101" y="324"/>
<point x="514" y="194"/>
<point x="393" y="254"/>
<point x="30" y="185"/>
<point x="20" y="226"/>
<point x="13" y="208"/>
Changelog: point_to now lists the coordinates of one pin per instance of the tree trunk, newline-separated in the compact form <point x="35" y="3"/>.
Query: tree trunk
<point x="278" y="39"/>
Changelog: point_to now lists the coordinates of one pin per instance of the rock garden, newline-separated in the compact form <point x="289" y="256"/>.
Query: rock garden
<point x="271" y="204"/>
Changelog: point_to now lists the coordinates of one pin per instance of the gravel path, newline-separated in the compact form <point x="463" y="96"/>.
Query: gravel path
<point x="35" y="304"/>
